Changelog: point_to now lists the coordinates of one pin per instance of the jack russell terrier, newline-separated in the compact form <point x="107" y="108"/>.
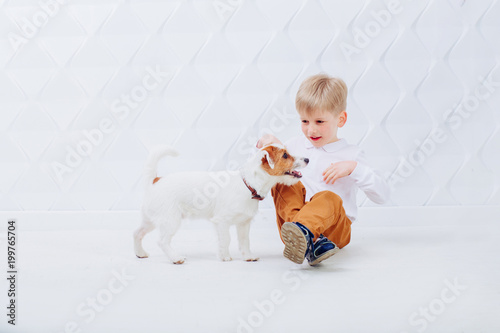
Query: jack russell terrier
<point x="223" y="197"/>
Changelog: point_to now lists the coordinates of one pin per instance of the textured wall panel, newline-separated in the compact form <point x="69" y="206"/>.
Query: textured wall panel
<point x="88" y="87"/>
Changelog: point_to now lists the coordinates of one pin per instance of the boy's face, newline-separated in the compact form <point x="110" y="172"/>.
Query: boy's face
<point x="320" y="127"/>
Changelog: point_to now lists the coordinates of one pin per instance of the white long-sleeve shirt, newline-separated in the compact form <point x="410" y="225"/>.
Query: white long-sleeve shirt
<point x="362" y="177"/>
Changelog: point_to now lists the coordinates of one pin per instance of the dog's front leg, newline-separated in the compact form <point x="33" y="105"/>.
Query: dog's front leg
<point x="224" y="240"/>
<point x="243" y="231"/>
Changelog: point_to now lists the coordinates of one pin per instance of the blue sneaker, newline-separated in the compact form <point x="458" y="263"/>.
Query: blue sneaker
<point x="298" y="241"/>
<point x="323" y="248"/>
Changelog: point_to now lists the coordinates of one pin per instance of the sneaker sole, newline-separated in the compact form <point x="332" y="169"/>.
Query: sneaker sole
<point x="295" y="243"/>
<point x="325" y="256"/>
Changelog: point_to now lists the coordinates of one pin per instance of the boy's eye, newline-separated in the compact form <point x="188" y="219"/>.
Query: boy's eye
<point x="304" y="121"/>
<point x="320" y="121"/>
<point x="285" y="155"/>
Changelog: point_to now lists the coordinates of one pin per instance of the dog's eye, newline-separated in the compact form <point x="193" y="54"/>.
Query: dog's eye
<point x="285" y="155"/>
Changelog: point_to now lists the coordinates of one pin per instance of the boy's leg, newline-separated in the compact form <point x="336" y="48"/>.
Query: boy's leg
<point x="324" y="214"/>
<point x="288" y="201"/>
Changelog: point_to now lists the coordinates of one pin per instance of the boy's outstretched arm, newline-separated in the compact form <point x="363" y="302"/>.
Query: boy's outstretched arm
<point x="367" y="179"/>
<point x="267" y="139"/>
<point x="338" y="170"/>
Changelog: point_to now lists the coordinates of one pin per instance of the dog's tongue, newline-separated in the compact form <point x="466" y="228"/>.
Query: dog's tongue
<point x="296" y="173"/>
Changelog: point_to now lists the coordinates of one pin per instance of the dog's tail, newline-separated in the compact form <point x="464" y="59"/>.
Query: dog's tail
<point x="156" y="154"/>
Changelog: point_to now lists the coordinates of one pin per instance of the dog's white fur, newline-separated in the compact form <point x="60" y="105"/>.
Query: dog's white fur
<point x="222" y="197"/>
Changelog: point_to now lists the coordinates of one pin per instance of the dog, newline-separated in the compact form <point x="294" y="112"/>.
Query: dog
<point x="225" y="198"/>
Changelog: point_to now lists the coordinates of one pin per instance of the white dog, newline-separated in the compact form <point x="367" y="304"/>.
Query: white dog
<point x="224" y="197"/>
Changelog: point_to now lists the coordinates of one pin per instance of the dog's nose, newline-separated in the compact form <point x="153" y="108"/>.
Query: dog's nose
<point x="306" y="160"/>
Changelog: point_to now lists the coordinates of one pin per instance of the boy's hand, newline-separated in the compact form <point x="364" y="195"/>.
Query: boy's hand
<point x="267" y="139"/>
<point x="338" y="170"/>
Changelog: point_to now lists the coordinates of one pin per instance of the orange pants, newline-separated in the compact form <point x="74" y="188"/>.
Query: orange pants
<point x="323" y="214"/>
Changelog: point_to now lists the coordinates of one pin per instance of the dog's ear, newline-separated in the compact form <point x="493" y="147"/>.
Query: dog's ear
<point x="265" y="155"/>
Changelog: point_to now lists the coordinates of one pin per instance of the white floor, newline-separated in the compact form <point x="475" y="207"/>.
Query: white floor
<point x="393" y="277"/>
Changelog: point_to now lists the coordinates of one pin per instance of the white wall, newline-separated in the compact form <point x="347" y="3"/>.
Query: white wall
<point x="423" y="77"/>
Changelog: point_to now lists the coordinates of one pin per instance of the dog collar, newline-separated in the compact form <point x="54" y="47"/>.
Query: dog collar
<point x="255" y="196"/>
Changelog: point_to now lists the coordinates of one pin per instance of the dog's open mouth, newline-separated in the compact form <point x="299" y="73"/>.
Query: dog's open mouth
<point x="294" y="173"/>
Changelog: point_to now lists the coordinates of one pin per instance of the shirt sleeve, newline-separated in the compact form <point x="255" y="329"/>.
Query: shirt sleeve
<point x="370" y="181"/>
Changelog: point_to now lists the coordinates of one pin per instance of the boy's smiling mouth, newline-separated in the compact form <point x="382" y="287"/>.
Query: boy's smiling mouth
<point x="315" y="138"/>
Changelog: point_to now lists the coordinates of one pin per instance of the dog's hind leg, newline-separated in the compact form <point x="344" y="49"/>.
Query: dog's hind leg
<point x="146" y="227"/>
<point x="167" y="231"/>
<point x="243" y="230"/>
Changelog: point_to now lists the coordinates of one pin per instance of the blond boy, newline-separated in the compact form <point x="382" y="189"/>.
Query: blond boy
<point x="314" y="216"/>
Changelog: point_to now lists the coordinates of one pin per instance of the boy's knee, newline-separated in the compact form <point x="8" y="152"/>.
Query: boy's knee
<point x="276" y="188"/>
<point x="288" y="189"/>
<point x="327" y="195"/>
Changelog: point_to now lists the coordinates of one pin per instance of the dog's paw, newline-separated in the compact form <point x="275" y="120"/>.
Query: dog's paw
<point x="252" y="259"/>
<point x="142" y="255"/>
<point x="224" y="255"/>
<point x="179" y="260"/>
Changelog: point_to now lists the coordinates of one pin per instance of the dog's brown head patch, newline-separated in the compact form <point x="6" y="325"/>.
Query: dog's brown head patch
<point x="278" y="162"/>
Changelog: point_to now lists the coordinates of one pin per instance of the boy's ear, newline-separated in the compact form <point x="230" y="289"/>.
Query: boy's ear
<point x="342" y="119"/>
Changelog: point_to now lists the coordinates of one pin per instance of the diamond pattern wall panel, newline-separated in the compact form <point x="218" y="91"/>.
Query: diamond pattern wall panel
<point x="88" y="87"/>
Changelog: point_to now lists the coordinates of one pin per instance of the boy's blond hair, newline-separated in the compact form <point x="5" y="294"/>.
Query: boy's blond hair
<point x="322" y="92"/>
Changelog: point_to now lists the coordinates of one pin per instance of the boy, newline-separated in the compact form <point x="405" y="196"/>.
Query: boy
<point x="315" y="215"/>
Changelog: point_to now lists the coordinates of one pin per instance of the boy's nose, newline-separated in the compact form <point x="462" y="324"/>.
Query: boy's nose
<point x="311" y="132"/>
